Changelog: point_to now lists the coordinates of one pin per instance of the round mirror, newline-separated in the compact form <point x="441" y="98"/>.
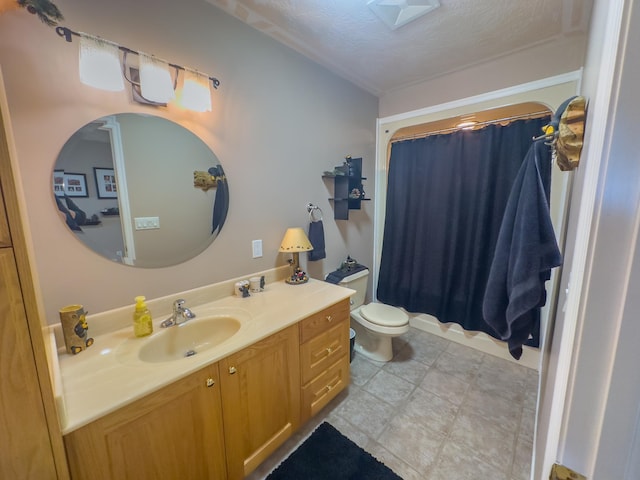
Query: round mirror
<point x="140" y="190"/>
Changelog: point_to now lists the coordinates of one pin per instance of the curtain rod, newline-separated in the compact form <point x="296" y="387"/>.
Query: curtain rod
<point x="67" y="33"/>
<point x="525" y="116"/>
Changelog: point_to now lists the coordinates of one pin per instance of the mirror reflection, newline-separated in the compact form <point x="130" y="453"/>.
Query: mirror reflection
<point x="140" y="190"/>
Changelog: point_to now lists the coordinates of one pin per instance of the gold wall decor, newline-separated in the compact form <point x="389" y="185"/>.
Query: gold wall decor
<point x="204" y="180"/>
<point x="560" y="472"/>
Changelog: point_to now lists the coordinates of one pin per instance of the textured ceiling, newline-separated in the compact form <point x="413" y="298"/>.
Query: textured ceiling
<point x="347" y="37"/>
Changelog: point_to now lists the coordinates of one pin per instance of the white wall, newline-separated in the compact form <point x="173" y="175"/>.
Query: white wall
<point x="278" y="121"/>
<point x="563" y="54"/>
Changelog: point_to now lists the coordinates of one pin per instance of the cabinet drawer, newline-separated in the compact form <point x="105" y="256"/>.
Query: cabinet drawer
<point x="324" y="388"/>
<point x="321" y="351"/>
<point x="323" y="320"/>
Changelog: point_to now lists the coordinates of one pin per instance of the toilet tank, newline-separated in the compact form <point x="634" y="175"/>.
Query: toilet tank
<point x="358" y="282"/>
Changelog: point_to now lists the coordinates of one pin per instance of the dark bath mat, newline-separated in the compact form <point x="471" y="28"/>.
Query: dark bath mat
<point x="329" y="455"/>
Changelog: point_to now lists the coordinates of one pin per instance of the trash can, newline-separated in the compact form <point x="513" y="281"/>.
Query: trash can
<point x="352" y="341"/>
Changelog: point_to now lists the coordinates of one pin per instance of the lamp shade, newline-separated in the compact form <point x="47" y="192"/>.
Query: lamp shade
<point x="155" y="79"/>
<point x="295" y="240"/>
<point x="196" y="93"/>
<point x="100" y="64"/>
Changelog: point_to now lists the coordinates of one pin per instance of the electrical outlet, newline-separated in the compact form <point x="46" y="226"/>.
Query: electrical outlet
<point x="256" y="247"/>
<point x="147" y="223"/>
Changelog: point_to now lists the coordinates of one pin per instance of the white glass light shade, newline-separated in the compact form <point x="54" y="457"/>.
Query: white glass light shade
<point x="100" y="64"/>
<point x="155" y="79"/>
<point x="196" y="93"/>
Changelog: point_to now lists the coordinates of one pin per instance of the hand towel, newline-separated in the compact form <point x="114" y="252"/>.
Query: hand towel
<point x="316" y="237"/>
<point x="221" y="200"/>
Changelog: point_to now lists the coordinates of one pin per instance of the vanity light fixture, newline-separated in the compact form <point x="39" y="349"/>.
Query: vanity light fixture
<point x="100" y="64"/>
<point x="101" y="67"/>
<point x="155" y="79"/>
<point x="195" y="91"/>
<point x="296" y="241"/>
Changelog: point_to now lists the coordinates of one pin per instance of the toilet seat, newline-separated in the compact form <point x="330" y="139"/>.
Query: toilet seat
<point x="384" y="315"/>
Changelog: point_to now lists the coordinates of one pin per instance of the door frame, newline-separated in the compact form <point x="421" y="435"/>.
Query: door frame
<point x="112" y="126"/>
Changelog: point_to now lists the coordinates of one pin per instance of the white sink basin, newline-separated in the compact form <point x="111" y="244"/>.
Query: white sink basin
<point x="188" y="339"/>
<point x="181" y="341"/>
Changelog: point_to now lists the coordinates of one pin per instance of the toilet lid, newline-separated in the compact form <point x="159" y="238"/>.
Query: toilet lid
<point x="384" y="315"/>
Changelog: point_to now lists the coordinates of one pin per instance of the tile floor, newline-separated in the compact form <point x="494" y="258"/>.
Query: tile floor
<point x="438" y="410"/>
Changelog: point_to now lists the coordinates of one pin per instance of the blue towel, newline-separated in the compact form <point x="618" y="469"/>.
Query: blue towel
<point x="316" y="237"/>
<point x="526" y="251"/>
<point x="221" y="200"/>
<point x="339" y="275"/>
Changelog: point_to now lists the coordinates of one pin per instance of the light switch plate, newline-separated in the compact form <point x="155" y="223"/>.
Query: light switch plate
<point x="256" y="246"/>
<point x="147" y="223"/>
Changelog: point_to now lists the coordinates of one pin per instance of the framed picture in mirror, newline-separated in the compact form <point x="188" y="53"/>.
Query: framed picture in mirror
<point x="69" y="184"/>
<point x="58" y="183"/>
<point x="105" y="182"/>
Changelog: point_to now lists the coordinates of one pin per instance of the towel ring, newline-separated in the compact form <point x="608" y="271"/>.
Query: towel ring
<point x="311" y="208"/>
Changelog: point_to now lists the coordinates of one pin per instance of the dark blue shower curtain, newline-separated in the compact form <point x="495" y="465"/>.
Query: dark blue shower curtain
<point x="446" y="197"/>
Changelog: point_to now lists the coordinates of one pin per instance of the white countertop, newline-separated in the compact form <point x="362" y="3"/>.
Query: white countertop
<point x="97" y="381"/>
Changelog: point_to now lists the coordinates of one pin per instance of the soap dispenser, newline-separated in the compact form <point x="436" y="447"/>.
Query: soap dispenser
<point x="142" y="324"/>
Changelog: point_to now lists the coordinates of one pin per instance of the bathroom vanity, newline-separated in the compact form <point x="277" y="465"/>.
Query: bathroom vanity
<point x="219" y="413"/>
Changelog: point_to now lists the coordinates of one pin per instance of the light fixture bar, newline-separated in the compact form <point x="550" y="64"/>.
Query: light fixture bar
<point x="67" y="33"/>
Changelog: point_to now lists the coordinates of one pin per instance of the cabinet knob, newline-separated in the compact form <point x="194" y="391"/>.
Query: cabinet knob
<point x="329" y="318"/>
<point x="210" y="382"/>
<point x="232" y="370"/>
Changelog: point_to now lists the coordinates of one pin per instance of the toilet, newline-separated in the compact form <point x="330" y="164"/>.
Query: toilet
<point x="376" y="323"/>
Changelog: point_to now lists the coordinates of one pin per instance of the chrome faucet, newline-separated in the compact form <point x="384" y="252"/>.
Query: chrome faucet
<point x="180" y="314"/>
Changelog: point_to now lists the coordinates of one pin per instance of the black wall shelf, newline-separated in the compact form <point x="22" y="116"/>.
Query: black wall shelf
<point x="348" y="192"/>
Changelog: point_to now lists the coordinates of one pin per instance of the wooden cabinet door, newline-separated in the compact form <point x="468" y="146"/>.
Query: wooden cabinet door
<point x="25" y="448"/>
<point x="173" y="433"/>
<point x="260" y="400"/>
<point x="5" y="236"/>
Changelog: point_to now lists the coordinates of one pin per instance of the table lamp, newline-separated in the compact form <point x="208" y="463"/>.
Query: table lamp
<point x="296" y="241"/>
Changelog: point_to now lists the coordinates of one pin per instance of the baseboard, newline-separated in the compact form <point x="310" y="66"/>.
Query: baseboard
<point x="478" y="340"/>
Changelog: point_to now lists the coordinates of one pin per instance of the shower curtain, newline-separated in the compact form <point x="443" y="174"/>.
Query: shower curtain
<point x="446" y="197"/>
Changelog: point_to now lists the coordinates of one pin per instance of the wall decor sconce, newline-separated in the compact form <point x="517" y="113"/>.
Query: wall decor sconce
<point x="204" y="180"/>
<point x="154" y="81"/>
<point x="296" y="241"/>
